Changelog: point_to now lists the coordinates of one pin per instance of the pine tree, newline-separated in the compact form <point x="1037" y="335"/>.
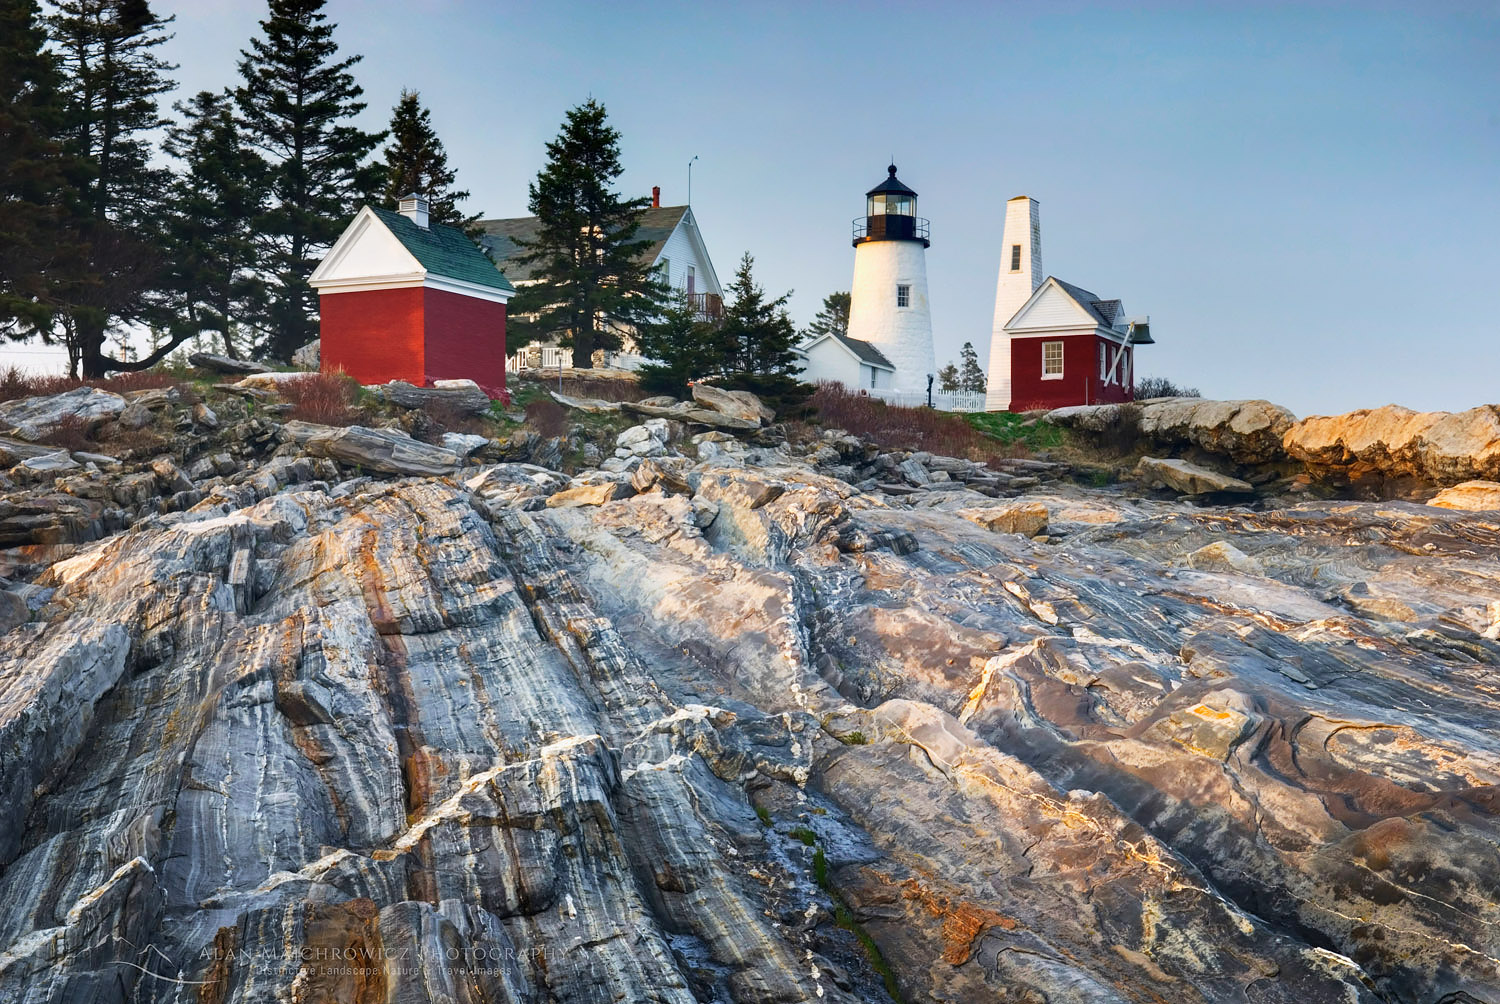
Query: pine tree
<point x="948" y="378"/>
<point x="217" y="197"/>
<point x="832" y="318"/>
<point x="756" y="342"/>
<point x="112" y="79"/>
<point x="415" y="161"/>
<point x="592" y="276"/>
<point x="970" y="377"/>
<point x="296" y="100"/>
<point x="39" y="246"/>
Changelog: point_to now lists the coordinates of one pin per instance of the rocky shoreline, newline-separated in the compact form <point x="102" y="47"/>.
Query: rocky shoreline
<point x="713" y="716"/>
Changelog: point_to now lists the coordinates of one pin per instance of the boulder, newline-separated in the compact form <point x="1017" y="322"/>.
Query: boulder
<point x="309" y="357"/>
<point x="1475" y="496"/>
<point x="587" y="494"/>
<point x="34" y="417"/>
<point x="269" y="381"/>
<point x="383" y="450"/>
<point x="225" y="364"/>
<point x="695" y="416"/>
<point x="739" y="404"/>
<point x="135" y="416"/>
<point x="1025" y="518"/>
<point x="462" y="395"/>
<point x="46" y="463"/>
<point x="1248" y="432"/>
<point x="464" y="444"/>
<point x="1442" y="447"/>
<point x="1222" y="556"/>
<point x="1190" y="479"/>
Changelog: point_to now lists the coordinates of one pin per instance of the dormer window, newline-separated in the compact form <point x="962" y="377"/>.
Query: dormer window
<point x="1015" y="257"/>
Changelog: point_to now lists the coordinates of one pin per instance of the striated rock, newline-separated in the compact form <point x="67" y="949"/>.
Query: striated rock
<point x="427" y="742"/>
<point x="267" y="381"/>
<point x="1244" y="431"/>
<point x="464" y="444"/>
<point x="587" y="404"/>
<point x="1190" y="479"/>
<point x="225" y="364"/>
<point x="740" y="404"/>
<point x="1025" y="518"/>
<point x="1439" y="447"/>
<point x="205" y="416"/>
<point x="461" y="395"/>
<point x="135" y="416"/>
<point x="383" y="450"/>
<point x="696" y="416"/>
<point x="587" y="494"/>
<point x="1477" y="496"/>
<point x="34" y="417"/>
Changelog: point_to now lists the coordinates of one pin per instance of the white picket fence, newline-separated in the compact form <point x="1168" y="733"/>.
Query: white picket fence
<point x="942" y="400"/>
<point x="538" y="357"/>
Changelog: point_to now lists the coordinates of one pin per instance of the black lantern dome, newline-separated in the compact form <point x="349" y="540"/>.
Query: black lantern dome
<point x="891" y="214"/>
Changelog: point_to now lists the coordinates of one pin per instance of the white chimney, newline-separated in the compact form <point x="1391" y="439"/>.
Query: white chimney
<point x="414" y="208"/>
<point x="1020" y="275"/>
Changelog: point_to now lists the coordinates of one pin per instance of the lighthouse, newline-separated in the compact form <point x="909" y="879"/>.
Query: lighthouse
<point x="888" y="299"/>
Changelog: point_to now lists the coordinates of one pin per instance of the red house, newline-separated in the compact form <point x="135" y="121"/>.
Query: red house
<point x="1054" y="344"/>
<point x="403" y="298"/>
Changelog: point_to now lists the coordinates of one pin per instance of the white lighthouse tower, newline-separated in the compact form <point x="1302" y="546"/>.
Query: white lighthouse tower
<point x="888" y="300"/>
<point x="1020" y="275"/>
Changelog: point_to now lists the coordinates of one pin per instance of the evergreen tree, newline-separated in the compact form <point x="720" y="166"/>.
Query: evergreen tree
<point x="589" y="264"/>
<point x="210" y="235"/>
<point x="948" y="378"/>
<point x="833" y="317"/>
<point x="112" y="79"/>
<point x="756" y="342"/>
<point x="39" y="246"/>
<point x="681" y="347"/>
<point x="415" y="161"/>
<point x="296" y="100"/>
<point x="970" y="376"/>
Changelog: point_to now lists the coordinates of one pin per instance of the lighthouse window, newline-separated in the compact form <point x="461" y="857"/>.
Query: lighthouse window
<point x="1052" y="360"/>
<point x="903" y="296"/>
<point x="1015" y="257"/>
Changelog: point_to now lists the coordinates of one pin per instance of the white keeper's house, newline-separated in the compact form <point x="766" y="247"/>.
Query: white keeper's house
<point x="676" y="251"/>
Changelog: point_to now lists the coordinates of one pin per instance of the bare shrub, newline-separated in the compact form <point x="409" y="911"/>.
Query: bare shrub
<point x="324" y="398"/>
<point x="16" y="384"/>
<point x="896" y="428"/>
<point x="547" y="417"/>
<point x="1152" y="386"/>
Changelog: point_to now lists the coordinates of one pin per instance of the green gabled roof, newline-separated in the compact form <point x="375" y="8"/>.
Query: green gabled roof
<point x="445" y="251"/>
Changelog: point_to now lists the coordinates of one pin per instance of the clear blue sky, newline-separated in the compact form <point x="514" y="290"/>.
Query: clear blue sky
<point x="1305" y="199"/>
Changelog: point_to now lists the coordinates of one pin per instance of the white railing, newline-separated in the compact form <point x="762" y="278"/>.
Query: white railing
<point x="538" y="357"/>
<point x="942" y="400"/>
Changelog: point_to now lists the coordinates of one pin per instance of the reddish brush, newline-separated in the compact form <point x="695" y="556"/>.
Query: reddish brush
<point x="16" y="384"/>
<point x="547" y="417"/>
<point x="896" y="428"/>
<point x="324" y="398"/>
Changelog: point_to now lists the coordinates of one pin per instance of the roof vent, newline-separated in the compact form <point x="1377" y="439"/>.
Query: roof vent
<point x="414" y="208"/>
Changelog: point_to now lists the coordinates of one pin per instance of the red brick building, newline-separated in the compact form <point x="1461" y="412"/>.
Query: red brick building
<point x="403" y="298"/>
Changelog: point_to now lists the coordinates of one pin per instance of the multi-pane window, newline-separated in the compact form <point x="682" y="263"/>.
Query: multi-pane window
<point x="1015" y="257"/>
<point x="1052" y="360"/>
<point x="903" y="296"/>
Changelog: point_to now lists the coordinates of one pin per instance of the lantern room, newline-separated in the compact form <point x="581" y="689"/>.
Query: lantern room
<point x="891" y="214"/>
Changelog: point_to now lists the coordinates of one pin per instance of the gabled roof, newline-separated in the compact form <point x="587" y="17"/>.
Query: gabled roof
<point x="1102" y="311"/>
<point x="502" y="237"/>
<point x="863" y="350"/>
<point x="444" y="251"/>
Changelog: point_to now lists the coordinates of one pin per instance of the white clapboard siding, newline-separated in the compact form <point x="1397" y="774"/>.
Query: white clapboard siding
<point x="680" y="252"/>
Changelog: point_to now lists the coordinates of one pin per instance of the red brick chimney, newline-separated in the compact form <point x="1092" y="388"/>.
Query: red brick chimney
<point x="655" y="196"/>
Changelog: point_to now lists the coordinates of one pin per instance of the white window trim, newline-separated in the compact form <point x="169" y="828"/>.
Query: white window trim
<point x="1062" y="356"/>
<point x="899" y="304"/>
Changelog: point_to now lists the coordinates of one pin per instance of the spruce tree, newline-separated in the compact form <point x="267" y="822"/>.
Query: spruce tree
<point x="590" y="269"/>
<point x="970" y="377"/>
<point x="756" y="342"/>
<point x="40" y="248"/>
<point x="217" y="197"/>
<point x="681" y="347"/>
<point x="832" y="318"/>
<point x="296" y="101"/>
<point x="948" y="378"/>
<point x="415" y="161"/>
<point x="112" y="79"/>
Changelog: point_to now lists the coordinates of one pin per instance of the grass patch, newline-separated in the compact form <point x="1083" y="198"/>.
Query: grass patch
<point x="763" y="814"/>
<point x="845" y="919"/>
<point x="890" y="427"/>
<point x="805" y="835"/>
<point x="1011" y="428"/>
<point x="854" y="739"/>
